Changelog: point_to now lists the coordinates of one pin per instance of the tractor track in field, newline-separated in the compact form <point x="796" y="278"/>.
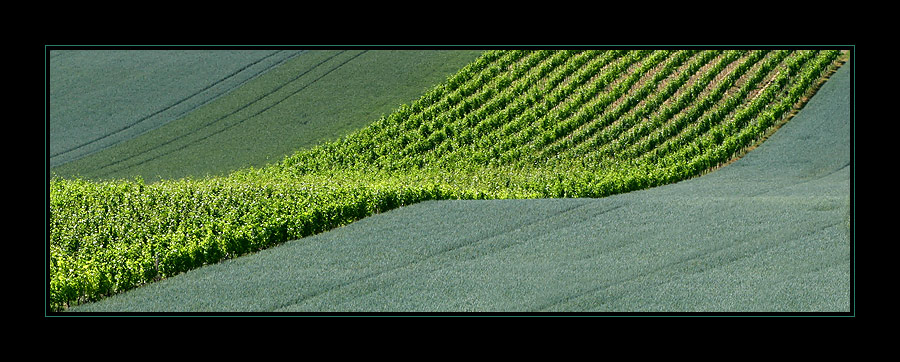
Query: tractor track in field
<point x="694" y="262"/>
<point x="110" y="167"/>
<point x="445" y="252"/>
<point x="768" y="233"/>
<point x="173" y="105"/>
<point x="177" y="103"/>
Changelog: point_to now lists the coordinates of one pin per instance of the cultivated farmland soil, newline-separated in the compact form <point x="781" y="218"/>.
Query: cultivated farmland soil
<point x="768" y="233"/>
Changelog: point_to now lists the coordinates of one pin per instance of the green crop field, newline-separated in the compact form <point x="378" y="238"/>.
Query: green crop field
<point x="308" y="97"/>
<point x="512" y="124"/>
<point x="100" y="98"/>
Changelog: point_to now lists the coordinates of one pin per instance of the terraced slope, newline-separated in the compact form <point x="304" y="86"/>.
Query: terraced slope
<point x="512" y="124"/>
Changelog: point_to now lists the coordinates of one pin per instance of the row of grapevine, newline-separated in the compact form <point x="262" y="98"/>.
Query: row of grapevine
<point x="603" y="130"/>
<point x="657" y="144"/>
<point x="642" y="140"/>
<point x="538" y="101"/>
<point x="803" y="77"/>
<point x="519" y="145"/>
<point x="586" y="124"/>
<point x="684" y="109"/>
<point x="574" y="114"/>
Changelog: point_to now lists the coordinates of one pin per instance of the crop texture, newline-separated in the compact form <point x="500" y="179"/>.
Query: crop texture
<point x="308" y="97"/>
<point x="512" y="124"/>
<point x="100" y="98"/>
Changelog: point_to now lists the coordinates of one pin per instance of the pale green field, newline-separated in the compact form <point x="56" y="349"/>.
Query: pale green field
<point x="765" y="235"/>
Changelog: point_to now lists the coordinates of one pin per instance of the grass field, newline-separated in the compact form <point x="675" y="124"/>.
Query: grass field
<point x="511" y="124"/>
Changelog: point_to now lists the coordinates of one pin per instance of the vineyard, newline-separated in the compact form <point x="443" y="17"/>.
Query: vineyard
<point x="512" y="124"/>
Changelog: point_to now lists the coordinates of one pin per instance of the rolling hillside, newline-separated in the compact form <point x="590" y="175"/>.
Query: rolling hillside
<point x="511" y="124"/>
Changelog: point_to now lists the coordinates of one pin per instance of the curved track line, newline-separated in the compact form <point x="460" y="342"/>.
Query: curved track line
<point x="754" y="248"/>
<point x="243" y="120"/>
<point x="163" y="109"/>
<point x="143" y="119"/>
<point x="444" y="251"/>
<point x="205" y="126"/>
<point x="803" y="181"/>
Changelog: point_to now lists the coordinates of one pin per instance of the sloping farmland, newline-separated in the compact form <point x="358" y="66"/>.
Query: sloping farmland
<point x="100" y="98"/>
<point x="768" y="233"/>
<point x="172" y="115"/>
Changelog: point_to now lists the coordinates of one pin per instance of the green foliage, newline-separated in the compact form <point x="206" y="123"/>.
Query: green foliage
<point x="512" y="124"/>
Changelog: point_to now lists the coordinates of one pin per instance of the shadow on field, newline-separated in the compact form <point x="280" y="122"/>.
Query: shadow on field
<point x="769" y="233"/>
